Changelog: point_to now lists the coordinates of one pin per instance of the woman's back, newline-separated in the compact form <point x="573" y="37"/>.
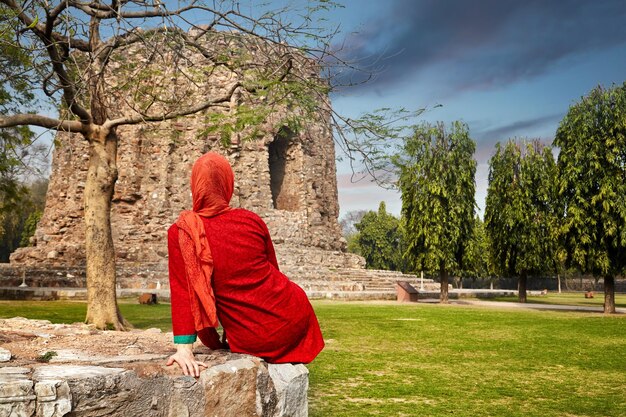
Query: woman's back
<point x="263" y="313"/>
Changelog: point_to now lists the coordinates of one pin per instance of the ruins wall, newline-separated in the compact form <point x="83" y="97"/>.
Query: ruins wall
<point x="287" y="177"/>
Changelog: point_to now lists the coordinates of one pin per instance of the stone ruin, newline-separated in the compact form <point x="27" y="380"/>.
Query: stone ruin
<point x="286" y="176"/>
<point x="55" y="370"/>
<point x="288" y="179"/>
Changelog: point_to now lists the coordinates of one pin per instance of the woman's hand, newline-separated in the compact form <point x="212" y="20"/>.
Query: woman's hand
<point x="185" y="359"/>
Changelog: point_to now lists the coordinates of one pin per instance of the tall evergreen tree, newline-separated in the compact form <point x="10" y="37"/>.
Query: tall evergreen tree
<point x="476" y="254"/>
<point x="592" y="185"/>
<point x="437" y="172"/>
<point x="520" y="210"/>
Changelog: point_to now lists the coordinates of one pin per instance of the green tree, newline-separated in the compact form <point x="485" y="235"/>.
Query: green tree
<point x="18" y="222"/>
<point x="436" y="179"/>
<point x="592" y="185"/>
<point x="476" y="254"/>
<point x="15" y="91"/>
<point x="30" y="225"/>
<point x="349" y="231"/>
<point x="379" y="239"/>
<point x="520" y="210"/>
<point x="74" y="49"/>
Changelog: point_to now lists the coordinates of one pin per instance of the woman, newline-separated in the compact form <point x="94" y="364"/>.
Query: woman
<point x="222" y="266"/>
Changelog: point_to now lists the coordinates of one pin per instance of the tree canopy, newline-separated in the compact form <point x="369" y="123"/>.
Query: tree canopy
<point x="15" y="94"/>
<point x="380" y="240"/>
<point x="437" y="172"/>
<point x="18" y="222"/>
<point x="592" y="184"/>
<point x="476" y="253"/>
<point x="520" y="210"/>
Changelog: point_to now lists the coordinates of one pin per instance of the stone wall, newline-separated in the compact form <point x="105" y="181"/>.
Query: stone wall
<point x="288" y="177"/>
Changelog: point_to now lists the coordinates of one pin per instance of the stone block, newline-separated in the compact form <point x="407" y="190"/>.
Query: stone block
<point x="17" y="398"/>
<point x="148" y="298"/>
<point x="5" y="355"/>
<point x="95" y="380"/>
<point x="292" y="384"/>
<point x="54" y="398"/>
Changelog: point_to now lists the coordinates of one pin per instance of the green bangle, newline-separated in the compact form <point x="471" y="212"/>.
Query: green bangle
<point x="185" y="339"/>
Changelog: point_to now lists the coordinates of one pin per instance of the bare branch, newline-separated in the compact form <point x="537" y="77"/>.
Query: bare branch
<point x="103" y="12"/>
<point x="173" y="115"/>
<point x="69" y="92"/>
<point x="42" y="121"/>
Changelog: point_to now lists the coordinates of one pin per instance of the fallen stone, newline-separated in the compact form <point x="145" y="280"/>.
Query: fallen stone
<point x="5" y="355"/>
<point x="148" y="298"/>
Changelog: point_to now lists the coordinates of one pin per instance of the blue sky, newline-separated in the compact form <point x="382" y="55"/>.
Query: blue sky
<point x="506" y="68"/>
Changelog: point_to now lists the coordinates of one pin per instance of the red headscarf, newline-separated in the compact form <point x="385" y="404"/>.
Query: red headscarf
<point x="212" y="183"/>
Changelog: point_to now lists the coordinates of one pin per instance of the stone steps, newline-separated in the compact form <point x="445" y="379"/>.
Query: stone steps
<point x="69" y="283"/>
<point x="351" y="295"/>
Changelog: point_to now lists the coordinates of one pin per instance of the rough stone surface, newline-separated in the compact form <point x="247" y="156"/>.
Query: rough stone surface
<point x="5" y="355"/>
<point x="290" y="383"/>
<point x="287" y="177"/>
<point x="88" y="378"/>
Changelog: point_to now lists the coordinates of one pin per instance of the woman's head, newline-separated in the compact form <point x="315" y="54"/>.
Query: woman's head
<point x="212" y="183"/>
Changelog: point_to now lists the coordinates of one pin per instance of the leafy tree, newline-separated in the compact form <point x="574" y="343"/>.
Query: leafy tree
<point x="436" y="178"/>
<point x="349" y="220"/>
<point x="520" y="211"/>
<point x="592" y="185"/>
<point x="30" y="225"/>
<point x="18" y="222"/>
<point x="74" y="48"/>
<point x="350" y="233"/>
<point x="14" y="91"/>
<point x="380" y="240"/>
<point x="476" y="254"/>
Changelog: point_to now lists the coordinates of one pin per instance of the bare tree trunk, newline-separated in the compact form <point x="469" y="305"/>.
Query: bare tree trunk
<point x="558" y="278"/>
<point x="609" y="294"/>
<point x="443" y="275"/>
<point x="102" y="309"/>
<point x="521" y="287"/>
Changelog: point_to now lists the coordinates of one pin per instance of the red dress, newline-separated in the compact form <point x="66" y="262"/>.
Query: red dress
<point x="262" y="312"/>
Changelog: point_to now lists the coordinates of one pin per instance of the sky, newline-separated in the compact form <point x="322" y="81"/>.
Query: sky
<point x="509" y="69"/>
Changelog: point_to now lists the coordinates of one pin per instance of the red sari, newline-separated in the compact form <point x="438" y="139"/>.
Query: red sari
<point x="262" y="312"/>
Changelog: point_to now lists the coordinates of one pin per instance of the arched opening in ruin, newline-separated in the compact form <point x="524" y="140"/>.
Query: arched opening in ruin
<point x="284" y="163"/>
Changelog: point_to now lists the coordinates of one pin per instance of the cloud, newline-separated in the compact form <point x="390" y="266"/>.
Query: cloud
<point x="481" y="44"/>
<point x="502" y="133"/>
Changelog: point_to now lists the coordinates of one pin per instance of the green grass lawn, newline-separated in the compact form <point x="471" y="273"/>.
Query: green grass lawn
<point x="568" y="298"/>
<point x="141" y="316"/>
<point x="387" y="359"/>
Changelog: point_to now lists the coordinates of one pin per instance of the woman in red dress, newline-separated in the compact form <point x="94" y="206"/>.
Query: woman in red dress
<point x="222" y="267"/>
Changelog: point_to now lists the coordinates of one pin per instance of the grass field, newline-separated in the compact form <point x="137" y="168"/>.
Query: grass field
<point x="569" y="298"/>
<point x="386" y="359"/>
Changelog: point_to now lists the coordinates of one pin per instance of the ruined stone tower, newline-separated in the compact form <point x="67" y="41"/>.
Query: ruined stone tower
<point x="285" y="175"/>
